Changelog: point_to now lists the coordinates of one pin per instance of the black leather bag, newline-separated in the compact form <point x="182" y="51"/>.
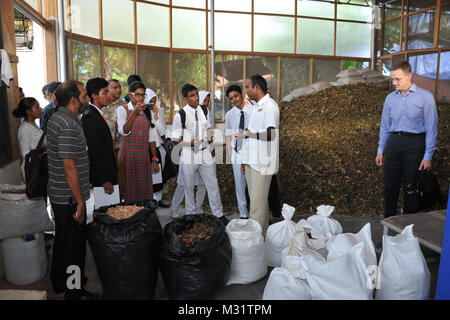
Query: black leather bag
<point x="36" y="171"/>
<point x="423" y="193"/>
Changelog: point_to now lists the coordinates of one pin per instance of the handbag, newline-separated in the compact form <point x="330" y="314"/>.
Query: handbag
<point x="423" y="192"/>
<point x="36" y="171"/>
<point x="170" y="169"/>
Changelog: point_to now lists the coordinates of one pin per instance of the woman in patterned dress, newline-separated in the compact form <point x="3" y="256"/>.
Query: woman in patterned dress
<point x="134" y="126"/>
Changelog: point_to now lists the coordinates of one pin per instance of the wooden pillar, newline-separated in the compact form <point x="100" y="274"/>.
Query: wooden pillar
<point x="51" y="62"/>
<point x="9" y="44"/>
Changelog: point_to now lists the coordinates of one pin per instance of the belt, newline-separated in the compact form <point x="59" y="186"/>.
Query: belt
<point x="193" y="149"/>
<point x="405" y="133"/>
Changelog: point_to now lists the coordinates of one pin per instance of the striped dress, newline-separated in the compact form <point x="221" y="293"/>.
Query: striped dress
<point x="134" y="150"/>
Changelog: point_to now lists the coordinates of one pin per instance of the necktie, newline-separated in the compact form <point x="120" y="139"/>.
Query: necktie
<point x="196" y="130"/>
<point x="104" y="118"/>
<point x="238" y="145"/>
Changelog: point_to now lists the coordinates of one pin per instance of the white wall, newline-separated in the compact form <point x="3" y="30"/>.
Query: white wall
<point x="31" y="67"/>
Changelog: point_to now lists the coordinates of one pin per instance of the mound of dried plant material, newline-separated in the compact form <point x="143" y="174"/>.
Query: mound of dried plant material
<point x="123" y="212"/>
<point x="194" y="232"/>
<point x="328" y="145"/>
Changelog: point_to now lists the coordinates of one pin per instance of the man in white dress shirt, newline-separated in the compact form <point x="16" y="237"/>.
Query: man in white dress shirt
<point x="236" y="120"/>
<point x="196" y="155"/>
<point x="260" y="161"/>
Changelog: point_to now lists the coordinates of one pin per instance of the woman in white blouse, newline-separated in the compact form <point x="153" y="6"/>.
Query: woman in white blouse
<point x="29" y="132"/>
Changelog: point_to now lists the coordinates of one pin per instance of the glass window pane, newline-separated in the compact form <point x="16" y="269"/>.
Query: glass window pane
<point x="363" y="65"/>
<point x="115" y="29"/>
<point x="85" y="17"/>
<point x="393" y="9"/>
<point x="153" y="25"/>
<point x="154" y="69"/>
<point x="326" y="70"/>
<point x="268" y="68"/>
<point x="353" y="39"/>
<point x="189" y="3"/>
<point x="189" y="29"/>
<point x="33" y="4"/>
<point x="315" y="8"/>
<point x="229" y="70"/>
<point x="415" y="5"/>
<point x="358" y="10"/>
<point x="86" y="60"/>
<point x="160" y="1"/>
<point x="233" y="5"/>
<point x="274" y="34"/>
<point x="421" y="30"/>
<point x="187" y="68"/>
<point x="280" y="6"/>
<point x="386" y="65"/>
<point x="444" y="28"/>
<point x="233" y="31"/>
<point x="294" y="73"/>
<point x="391" y="37"/>
<point x="118" y="64"/>
<point x="323" y="40"/>
<point x="443" y="93"/>
<point x="424" y="69"/>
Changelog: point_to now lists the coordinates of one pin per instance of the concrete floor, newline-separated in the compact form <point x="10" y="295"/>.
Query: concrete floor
<point x="252" y="291"/>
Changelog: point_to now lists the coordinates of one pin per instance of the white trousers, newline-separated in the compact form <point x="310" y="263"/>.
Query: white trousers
<point x="240" y="183"/>
<point x="208" y="175"/>
<point x="178" y="197"/>
<point x="258" y="189"/>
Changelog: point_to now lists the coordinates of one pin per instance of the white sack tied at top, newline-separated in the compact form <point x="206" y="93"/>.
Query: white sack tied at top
<point x="248" y="263"/>
<point x="343" y="242"/>
<point x="343" y="278"/>
<point x="403" y="273"/>
<point x="278" y="236"/>
<point x="287" y="283"/>
<point x="324" y="227"/>
<point x="299" y="246"/>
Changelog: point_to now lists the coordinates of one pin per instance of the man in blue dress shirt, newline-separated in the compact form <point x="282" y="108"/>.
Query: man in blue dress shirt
<point x="408" y="135"/>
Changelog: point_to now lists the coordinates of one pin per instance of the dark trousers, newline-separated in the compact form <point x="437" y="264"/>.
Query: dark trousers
<point x="274" y="198"/>
<point x="403" y="155"/>
<point x="69" y="248"/>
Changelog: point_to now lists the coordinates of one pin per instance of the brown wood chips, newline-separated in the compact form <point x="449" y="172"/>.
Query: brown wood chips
<point x="195" y="232"/>
<point x="123" y="212"/>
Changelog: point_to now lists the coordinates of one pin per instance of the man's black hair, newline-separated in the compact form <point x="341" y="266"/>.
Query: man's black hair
<point x="136" y="85"/>
<point x="112" y="80"/>
<point x="187" y="88"/>
<point x="234" y="87"/>
<point x="45" y="88"/>
<point x="133" y="78"/>
<point x="94" y="85"/>
<point x="66" y="91"/>
<point x="258" y="80"/>
<point x="52" y="86"/>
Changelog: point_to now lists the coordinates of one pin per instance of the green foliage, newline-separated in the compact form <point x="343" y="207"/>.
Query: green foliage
<point x="86" y="60"/>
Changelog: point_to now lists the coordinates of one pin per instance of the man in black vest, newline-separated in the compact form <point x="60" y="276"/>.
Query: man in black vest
<point x="102" y="162"/>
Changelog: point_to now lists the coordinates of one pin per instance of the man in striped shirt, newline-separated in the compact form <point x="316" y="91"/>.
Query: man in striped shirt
<point x="68" y="189"/>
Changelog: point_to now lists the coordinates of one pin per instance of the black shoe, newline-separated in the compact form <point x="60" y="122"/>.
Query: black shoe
<point x="83" y="295"/>
<point x="163" y="204"/>
<point x="244" y="217"/>
<point x="224" y="220"/>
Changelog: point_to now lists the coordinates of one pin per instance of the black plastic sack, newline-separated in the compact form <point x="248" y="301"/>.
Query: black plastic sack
<point x="198" y="271"/>
<point x="126" y="252"/>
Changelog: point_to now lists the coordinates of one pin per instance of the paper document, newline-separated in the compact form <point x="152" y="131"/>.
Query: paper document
<point x="103" y="199"/>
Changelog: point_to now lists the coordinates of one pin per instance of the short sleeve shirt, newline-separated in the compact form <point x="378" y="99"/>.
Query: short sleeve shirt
<point x="66" y="140"/>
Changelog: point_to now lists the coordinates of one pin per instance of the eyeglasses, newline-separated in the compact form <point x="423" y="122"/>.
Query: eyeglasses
<point x="138" y="95"/>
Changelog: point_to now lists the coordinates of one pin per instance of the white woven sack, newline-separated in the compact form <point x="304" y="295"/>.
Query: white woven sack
<point x="248" y="263"/>
<point x="278" y="236"/>
<point x="403" y="272"/>
<point x="20" y="215"/>
<point x="324" y="227"/>
<point x="343" y="278"/>
<point x="343" y="242"/>
<point x="283" y="285"/>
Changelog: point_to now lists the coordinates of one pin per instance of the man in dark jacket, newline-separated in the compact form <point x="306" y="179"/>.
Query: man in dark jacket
<point x="102" y="162"/>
